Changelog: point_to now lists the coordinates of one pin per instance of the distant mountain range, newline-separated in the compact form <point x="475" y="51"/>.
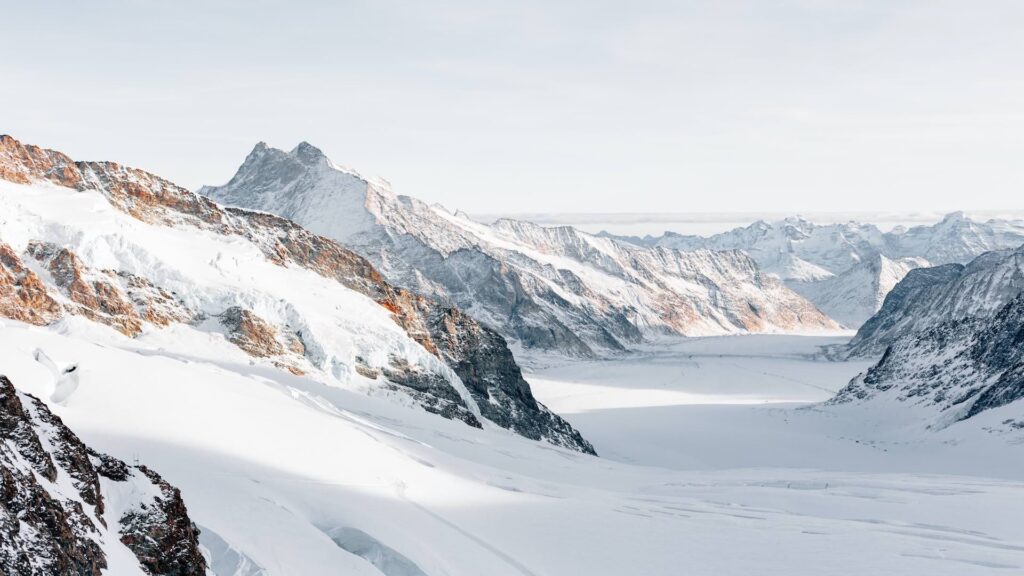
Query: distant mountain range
<point x="846" y="269"/>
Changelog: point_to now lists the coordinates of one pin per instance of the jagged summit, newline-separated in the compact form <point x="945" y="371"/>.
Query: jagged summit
<point x="307" y="152"/>
<point x="956" y="216"/>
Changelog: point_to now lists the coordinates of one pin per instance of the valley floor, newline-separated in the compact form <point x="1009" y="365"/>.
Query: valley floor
<point x="712" y="464"/>
<point x="752" y="401"/>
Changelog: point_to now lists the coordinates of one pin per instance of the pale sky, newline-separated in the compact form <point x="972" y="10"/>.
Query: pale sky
<point x="545" y="106"/>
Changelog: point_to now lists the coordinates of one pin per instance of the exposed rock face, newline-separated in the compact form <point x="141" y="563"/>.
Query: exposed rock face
<point x="139" y="193"/>
<point x="481" y="358"/>
<point x="251" y="333"/>
<point x="53" y="516"/>
<point x="152" y="303"/>
<point x="23" y="296"/>
<point x="958" y="368"/>
<point x="25" y="164"/>
<point x="259" y="339"/>
<point x="94" y="295"/>
<point x="128" y="301"/>
<point x="160" y="533"/>
<point x="550" y="288"/>
<point x="118" y="299"/>
<point x="927" y="297"/>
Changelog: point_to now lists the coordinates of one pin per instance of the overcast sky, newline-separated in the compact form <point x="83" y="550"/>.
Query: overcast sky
<point x="545" y="106"/>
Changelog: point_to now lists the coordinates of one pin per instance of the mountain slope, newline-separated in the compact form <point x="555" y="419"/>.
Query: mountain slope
<point x="853" y="296"/>
<point x="549" y="288"/>
<point x="951" y="371"/>
<point x="927" y="297"/>
<point x="68" y="510"/>
<point x="129" y="250"/>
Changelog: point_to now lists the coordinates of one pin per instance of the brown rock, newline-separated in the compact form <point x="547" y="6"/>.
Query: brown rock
<point x="251" y="333"/>
<point x="23" y="296"/>
<point x="96" y="294"/>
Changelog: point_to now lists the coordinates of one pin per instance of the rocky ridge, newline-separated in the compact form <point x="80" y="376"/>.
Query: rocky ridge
<point x="55" y="519"/>
<point x="63" y="283"/>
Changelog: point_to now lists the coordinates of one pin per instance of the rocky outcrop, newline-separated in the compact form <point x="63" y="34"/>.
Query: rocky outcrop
<point x="141" y="194"/>
<point x="25" y="164"/>
<point x="484" y="363"/>
<point x="118" y="299"/>
<point x="54" y="519"/>
<point x="152" y="303"/>
<point x="128" y="301"/>
<point x="92" y="294"/>
<point x="259" y="339"/>
<point x="251" y="333"/>
<point x="23" y="295"/>
<point x="160" y="533"/>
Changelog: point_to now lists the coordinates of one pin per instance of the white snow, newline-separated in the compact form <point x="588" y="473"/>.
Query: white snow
<point x="708" y="475"/>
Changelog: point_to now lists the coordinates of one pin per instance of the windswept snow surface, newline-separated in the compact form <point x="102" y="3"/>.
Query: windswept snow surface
<point x="288" y="476"/>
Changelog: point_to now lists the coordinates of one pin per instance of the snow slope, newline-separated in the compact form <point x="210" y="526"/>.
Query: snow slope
<point x="854" y="295"/>
<point x="291" y="476"/>
<point x="548" y="288"/>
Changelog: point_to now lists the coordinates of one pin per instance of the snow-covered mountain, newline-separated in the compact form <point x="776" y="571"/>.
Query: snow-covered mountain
<point x="809" y="257"/>
<point x="67" y="510"/>
<point x="128" y="250"/>
<point x="550" y="288"/>
<point x="952" y="344"/>
<point x="854" y="295"/>
<point x="950" y="371"/>
<point x="928" y="297"/>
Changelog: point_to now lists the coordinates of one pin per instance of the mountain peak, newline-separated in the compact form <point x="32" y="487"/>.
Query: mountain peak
<point x="958" y="216"/>
<point x="307" y="153"/>
<point x="258" y="151"/>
